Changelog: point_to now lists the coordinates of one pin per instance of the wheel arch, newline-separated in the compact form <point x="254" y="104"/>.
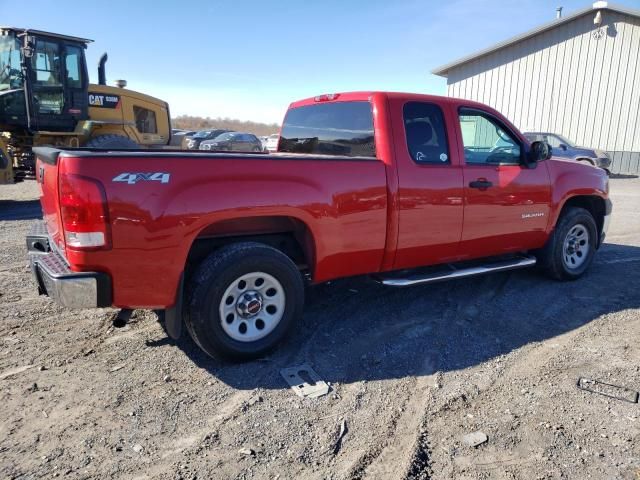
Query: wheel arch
<point x="288" y="234"/>
<point x="594" y="204"/>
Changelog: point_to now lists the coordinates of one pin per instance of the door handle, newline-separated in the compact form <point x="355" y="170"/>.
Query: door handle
<point x="481" y="184"/>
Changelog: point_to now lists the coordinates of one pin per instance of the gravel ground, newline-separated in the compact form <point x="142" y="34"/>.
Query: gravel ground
<point x="411" y="372"/>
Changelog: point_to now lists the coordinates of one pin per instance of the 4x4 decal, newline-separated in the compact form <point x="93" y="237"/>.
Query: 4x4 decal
<point x="133" y="178"/>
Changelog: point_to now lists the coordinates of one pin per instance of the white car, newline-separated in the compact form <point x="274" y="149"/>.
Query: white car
<point x="272" y="142"/>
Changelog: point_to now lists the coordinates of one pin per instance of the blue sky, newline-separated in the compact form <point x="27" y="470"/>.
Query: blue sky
<point x="250" y="59"/>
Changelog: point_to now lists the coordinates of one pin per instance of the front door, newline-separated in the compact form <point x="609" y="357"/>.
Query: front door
<point x="506" y="204"/>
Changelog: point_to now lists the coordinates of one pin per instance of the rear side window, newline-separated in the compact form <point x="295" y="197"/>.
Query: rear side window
<point x="426" y="133"/>
<point x="340" y="128"/>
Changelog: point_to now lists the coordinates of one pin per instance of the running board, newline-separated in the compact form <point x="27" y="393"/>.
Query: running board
<point x="454" y="272"/>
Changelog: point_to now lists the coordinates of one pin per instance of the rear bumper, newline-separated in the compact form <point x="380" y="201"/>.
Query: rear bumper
<point x="56" y="280"/>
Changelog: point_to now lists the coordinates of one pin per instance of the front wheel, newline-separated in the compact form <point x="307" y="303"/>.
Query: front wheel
<point x="243" y="300"/>
<point x="572" y="245"/>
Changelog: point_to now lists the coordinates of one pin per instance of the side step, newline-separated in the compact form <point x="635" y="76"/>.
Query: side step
<point x="440" y="275"/>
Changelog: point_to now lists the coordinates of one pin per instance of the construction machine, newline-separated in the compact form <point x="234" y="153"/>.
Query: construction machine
<point x="46" y="99"/>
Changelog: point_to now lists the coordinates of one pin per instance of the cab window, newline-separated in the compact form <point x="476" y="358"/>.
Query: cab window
<point x="335" y="128"/>
<point x="46" y="63"/>
<point x="426" y="133"/>
<point x="486" y="140"/>
<point x="145" y="120"/>
<point x="73" y="66"/>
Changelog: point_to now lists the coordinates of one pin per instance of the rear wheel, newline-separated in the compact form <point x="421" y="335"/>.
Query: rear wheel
<point x="572" y="245"/>
<point x="111" y="142"/>
<point x="243" y="300"/>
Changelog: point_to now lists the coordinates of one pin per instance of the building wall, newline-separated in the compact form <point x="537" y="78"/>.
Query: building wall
<point x="567" y="81"/>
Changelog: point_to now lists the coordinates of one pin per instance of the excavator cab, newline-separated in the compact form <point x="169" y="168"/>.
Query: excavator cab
<point x="43" y="80"/>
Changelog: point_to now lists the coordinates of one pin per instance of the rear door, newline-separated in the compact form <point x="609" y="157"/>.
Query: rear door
<point x="430" y="183"/>
<point x="235" y="144"/>
<point x="506" y="204"/>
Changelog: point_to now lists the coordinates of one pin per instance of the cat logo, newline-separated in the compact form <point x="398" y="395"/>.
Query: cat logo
<point x="104" y="101"/>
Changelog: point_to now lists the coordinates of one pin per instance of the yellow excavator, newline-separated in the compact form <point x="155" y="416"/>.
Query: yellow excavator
<point x="46" y="99"/>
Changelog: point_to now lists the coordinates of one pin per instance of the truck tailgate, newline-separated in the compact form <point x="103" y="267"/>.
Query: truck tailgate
<point x="47" y="178"/>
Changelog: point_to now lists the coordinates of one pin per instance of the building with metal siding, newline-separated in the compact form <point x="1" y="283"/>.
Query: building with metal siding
<point x="578" y="76"/>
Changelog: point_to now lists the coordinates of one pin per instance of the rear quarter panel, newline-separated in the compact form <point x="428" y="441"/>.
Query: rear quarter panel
<point x="342" y="203"/>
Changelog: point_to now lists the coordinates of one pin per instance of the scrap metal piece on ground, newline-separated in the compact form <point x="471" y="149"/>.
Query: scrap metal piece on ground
<point x="15" y="371"/>
<point x="608" y="390"/>
<point x="343" y="432"/>
<point x="474" y="439"/>
<point x="304" y="381"/>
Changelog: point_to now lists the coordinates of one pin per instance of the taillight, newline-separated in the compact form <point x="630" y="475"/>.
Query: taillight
<point x="83" y="211"/>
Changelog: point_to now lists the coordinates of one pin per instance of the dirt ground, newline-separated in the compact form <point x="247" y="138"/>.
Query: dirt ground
<point x="411" y="372"/>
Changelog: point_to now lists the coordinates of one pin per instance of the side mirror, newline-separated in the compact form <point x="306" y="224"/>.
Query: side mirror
<point x="563" y="147"/>
<point x="539" y="151"/>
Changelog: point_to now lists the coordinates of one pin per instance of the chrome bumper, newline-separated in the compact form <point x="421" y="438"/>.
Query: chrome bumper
<point x="66" y="287"/>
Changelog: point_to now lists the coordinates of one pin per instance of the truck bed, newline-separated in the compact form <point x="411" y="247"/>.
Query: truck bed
<point x="161" y="202"/>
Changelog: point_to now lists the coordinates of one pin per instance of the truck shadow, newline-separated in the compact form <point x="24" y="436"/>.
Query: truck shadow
<point x="20" y="210"/>
<point x="356" y="330"/>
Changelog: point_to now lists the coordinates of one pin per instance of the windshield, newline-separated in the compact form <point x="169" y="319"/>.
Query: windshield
<point x="565" y="140"/>
<point x="224" y="137"/>
<point x="203" y="133"/>
<point x="10" y="70"/>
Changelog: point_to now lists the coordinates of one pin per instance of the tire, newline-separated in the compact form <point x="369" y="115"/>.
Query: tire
<point x="571" y="247"/>
<point x="225" y="317"/>
<point x="111" y="142"/>
<point x="256" y="150"/>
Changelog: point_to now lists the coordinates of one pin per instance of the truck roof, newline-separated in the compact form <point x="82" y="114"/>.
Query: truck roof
<point x="366" y="96"/>
<point x="46" y="34"/>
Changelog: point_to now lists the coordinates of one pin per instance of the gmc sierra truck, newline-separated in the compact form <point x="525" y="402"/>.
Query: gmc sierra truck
<point x="407" y="188"/>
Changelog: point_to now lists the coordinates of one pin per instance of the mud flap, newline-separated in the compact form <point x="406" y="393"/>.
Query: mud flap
<point x="173" y="315"/>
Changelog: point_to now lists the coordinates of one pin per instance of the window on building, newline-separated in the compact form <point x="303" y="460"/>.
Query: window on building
<point x="486" y="141"/>
<point x="426" y="133"/>
<point x="145" y="120"/>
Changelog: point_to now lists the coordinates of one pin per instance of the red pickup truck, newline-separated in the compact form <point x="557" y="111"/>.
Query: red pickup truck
<point x="408" y="188"/>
